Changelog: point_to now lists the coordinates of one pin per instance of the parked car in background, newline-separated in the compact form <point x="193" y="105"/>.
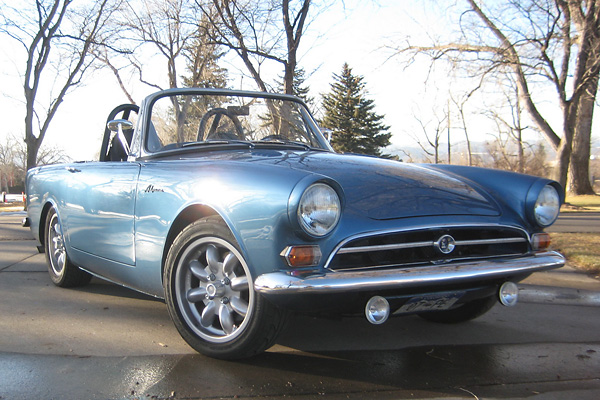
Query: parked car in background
<point x="233" y="208"/>
<point x="11" y="197"/>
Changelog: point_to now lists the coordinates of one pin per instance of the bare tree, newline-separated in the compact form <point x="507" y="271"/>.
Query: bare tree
<point x="505" y="153"/>
<point x="432" y="136"/>
<point x="513" y="127"/>
<point x="176" y="32"/>
<point x="555" y="41"/>
<point x="57" y="37"/>
<point x="10" y="170"/>
<point x="167" y="26"/>
<point x="13" y="161"/>
<point x="163" y="27"/>
<point x="509" y="150"/>
<point x="256" y="30"/>
<point x="461" y="104"/>
<point x="104" y="55"/>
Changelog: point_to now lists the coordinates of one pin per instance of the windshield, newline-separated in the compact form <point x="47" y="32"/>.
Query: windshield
<point x="193" y="119"/>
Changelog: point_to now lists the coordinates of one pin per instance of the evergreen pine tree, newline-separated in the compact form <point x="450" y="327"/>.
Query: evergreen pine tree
<point x="355" y="126"/>
<point x="203" y="65"/>
<point x="204" y="71"/>
<point x="298" y="87"/>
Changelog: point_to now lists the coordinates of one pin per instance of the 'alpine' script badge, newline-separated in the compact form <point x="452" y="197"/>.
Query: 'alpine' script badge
<point x="445" y="244"/>
<point x="152" y="189"/>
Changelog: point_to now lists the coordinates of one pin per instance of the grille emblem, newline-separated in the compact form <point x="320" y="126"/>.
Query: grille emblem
<point x="445" y="244"/>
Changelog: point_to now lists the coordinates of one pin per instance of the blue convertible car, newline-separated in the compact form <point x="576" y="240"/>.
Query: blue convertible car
<point x="234" y="208"/>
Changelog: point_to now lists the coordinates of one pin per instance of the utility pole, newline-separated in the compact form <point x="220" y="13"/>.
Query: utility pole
<point x="449" y="145"/>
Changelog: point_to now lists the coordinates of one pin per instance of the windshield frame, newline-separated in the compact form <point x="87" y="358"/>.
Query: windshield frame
<point x="145" y="152"/>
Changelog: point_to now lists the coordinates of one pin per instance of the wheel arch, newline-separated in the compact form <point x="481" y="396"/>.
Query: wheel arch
<point x="186" y="217"/>
<point x="42" y="224"/>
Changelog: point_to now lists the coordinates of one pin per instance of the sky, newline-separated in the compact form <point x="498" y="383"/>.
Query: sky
<point x="357" y="32"/>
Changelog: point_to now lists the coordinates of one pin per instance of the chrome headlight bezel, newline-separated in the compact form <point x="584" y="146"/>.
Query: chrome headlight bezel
<point x="543" y="203"/>
<point x="319" y="210"/>
<point x="547" y="206"/>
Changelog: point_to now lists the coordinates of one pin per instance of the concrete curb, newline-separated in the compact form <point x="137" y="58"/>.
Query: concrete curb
<point x="558" y="295"/>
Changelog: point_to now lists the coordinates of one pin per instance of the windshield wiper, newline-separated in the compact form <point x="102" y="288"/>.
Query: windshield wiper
<point x="219" y="143"/>
<point x="285" y="143"/>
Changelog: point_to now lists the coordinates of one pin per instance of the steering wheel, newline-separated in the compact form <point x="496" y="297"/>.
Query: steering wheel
<point x="218" y="113"/>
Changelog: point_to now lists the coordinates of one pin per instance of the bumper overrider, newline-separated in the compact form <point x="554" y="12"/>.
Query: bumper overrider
<point x="280" y="283"/>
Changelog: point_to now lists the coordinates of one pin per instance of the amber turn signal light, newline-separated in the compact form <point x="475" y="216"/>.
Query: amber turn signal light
<point x="302" y="256"/>
<point x="540" y="241"/>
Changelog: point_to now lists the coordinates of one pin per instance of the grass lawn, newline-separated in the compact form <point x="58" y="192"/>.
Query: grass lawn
<point x="10" y="207"/>
<point x="581" y="249"/>
<point x="582" y="203"/>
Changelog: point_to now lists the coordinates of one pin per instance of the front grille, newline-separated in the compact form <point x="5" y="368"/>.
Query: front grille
<point x="422" y="247"/>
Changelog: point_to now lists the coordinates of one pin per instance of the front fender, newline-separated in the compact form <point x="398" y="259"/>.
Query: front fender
<point x="252" y="200"/>
<point x="516" y="192"/>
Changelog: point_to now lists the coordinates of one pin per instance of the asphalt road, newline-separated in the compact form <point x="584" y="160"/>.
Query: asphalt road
<point x="577" y="222"/>
<point x="107" y="342"/>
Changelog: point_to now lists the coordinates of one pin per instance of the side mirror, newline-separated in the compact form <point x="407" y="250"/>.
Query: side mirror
<point x="116" y="123"/>
<point x="119" y="126"/>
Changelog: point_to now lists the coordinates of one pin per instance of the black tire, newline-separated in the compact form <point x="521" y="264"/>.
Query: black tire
<point x="462" y="313"/>
<point x="62" y="271"/>
<point x="210" y="294"/>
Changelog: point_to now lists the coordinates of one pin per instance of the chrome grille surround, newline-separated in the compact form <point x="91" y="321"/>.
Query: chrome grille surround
<point x="420" y="246"/>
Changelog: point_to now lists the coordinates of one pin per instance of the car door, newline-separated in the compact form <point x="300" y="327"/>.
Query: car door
<point x="100" y="212"/>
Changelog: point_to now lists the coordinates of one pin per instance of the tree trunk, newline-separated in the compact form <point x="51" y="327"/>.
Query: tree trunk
<point x="521" y="154"/>
<point x="564" y="150"/>
<point x="562" y="163"/>
<point x="579" y="170"/>
<point x="33" y="143"/>
<point x="519" y="127"/>
<point x="3" y="182"/>
<point x="32" y="151"/>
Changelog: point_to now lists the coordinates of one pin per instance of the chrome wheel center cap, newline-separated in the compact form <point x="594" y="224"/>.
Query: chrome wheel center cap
<point x="214" y="290"/>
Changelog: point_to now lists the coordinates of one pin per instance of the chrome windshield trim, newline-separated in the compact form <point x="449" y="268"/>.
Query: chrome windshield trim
<point x="275" y="283"/>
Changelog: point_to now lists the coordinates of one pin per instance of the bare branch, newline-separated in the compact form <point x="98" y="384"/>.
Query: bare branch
<point x="56" y="50"/>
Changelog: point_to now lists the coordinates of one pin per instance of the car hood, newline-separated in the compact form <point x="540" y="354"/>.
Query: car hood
<point x="382" y="189"/>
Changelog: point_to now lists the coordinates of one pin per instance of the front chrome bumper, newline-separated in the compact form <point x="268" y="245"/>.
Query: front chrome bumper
<point x="354" y="281"/>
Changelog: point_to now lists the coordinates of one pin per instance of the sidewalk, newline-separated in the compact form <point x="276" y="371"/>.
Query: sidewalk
<point x="567" y="277"/>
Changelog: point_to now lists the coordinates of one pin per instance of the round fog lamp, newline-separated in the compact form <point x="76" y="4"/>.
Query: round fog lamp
<point x="377" y="310"/>
<point x="509" y="294"/>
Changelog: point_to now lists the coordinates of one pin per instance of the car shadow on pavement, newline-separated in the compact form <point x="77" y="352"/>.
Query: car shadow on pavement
<point x="101" y="287"/>
<point x="447" y="370"/>
<point x="436" y="366"/>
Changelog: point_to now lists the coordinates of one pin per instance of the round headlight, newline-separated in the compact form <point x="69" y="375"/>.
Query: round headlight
<point x="319" y="209"/>
<point x="547" y="206"/>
